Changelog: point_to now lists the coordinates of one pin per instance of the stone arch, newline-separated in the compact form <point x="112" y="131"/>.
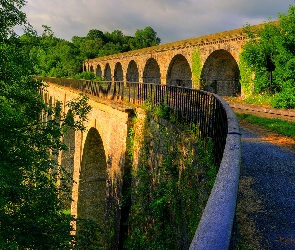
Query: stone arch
<point x="108" y="72"/>
<point x="179" y="72"/>
<point x="220" y="73"/>
<point x="132" y="72"/>
<point x="118" y="73"/>
<point x="151" y="72"/>
<point x="98" y="71"/>
<point x="91" y="68"/>
<point x="92" y="183"/>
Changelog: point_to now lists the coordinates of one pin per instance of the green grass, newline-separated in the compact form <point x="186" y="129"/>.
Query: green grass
<point x="260" y="99"/>
<point x="255" y="99"/>
<point x="280" y="126"/>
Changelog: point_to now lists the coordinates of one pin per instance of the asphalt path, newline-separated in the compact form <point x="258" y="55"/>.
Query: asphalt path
<point x="266" y="199"/>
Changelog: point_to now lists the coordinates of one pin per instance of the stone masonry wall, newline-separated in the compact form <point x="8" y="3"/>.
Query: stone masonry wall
<point x="110" y="123"/>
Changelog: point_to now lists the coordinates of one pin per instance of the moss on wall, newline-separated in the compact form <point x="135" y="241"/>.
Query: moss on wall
<point x="171" y="178"/>
<point x="246" y="75"/>
<point x="196" y="68"/>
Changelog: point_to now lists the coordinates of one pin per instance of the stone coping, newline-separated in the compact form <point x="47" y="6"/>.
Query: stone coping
<point x="215" y="228"/>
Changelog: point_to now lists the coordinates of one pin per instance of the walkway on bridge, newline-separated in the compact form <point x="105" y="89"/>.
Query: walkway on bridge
<point x="266" y="200"/>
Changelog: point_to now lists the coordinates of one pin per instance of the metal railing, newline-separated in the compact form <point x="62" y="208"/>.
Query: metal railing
<point x="196" y="108"/>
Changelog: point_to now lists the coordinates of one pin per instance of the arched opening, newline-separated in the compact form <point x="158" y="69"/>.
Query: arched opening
<point x="108" y="73"/>
<point x="151" y="73"/>
<point x="118" y="74"/>
<point x="91" y="69"/>
<point x="98" y="72"/>
<point x="179" y="72"/>
<point x="220" y="74"/>
<point x="132" y="72"/>
<point x="67" y="169"/>
<point x="92" y="183"/>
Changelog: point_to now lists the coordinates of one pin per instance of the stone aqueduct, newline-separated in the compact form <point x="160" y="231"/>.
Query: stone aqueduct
<point x="173" y="63"/>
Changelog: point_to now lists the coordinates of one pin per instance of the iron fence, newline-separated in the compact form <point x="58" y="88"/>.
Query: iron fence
<point x="200" y="110"/>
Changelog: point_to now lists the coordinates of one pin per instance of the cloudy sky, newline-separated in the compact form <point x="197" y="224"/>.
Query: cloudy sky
<point x="173" y="20"/>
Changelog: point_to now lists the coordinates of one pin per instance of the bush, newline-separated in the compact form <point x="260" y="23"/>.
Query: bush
<point x="284" y="99"/>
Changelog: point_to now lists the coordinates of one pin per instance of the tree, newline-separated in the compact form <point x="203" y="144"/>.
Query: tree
<point x="52" y="56"/>
<point x="31" y="215"/>
<point x="273" y="44"/>
<point x="47" y="32"/>
<point x="95" y="34"/>
<point x="145" y="38"/>
<point x="11" y="15"/>
<point x="97" y="43"/>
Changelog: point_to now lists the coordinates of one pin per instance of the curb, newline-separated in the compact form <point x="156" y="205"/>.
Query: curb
<point x="280" y="113"/>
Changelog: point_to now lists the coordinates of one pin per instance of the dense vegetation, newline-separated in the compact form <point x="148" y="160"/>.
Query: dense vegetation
<point x="31" y="212"/>
<point x="56" y="57"/>
<point x="170" y="182"/>
<point x="270" y="53"/>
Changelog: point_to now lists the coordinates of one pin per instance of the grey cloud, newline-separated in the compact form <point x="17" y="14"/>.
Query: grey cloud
<point x="172" y="19"/>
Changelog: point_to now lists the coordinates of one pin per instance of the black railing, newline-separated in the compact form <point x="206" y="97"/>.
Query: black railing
<point x="196" y="108"/>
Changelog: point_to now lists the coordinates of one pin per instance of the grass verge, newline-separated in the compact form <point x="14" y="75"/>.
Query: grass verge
<point x="283" y="127"/>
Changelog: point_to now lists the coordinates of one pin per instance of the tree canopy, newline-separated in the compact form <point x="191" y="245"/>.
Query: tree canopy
<point x="271" y="51"/>
<point x="56" y="57"/>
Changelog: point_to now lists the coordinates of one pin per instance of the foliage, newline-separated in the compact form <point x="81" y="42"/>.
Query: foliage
<point x="263" y="99"/>
<point x="246" y="80"/>
<point x="274" y="43"/>
<point x="283" y="127"/>
<point x="11" y="15"/>
<point x="170" y="187"/>
<point x="52" y="56"/>
<point x="87" y="75"/>
<point x="145" y="38"/>
<point x="97" y="43"/>
<point x="89" y="236"/>
<point x="30" y="211"/>
<point x="31" y="215"/>
<point x="55" y="57"/>
<point x="196" y="66"/>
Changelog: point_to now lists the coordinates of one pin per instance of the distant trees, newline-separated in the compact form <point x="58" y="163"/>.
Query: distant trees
<point x="145" y="38"/>
<point x="56" y="57"/>
<point x="272" y="48"/>
<point x="97" y="43"/>
<point x="52" y="56"/>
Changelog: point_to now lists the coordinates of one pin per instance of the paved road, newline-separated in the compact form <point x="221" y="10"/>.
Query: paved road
<point x="266" y="201"/>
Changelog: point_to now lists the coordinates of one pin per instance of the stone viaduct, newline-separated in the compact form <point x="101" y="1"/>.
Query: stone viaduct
<point x="96" y="157"/>
<point x="209" y="62"/>
<point x="98" y="160"/>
